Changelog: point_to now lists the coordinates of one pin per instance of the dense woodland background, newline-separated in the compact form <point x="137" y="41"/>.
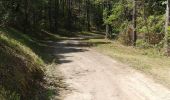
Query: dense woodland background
<point x="120" y="17"/>
<point x="140" y="23"/>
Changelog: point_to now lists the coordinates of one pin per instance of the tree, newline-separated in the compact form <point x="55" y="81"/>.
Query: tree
<point x="134" y="23"/>
<point x="88" y="7"/>
<point x="167" y="29"/>
<point x="108" y="13"/>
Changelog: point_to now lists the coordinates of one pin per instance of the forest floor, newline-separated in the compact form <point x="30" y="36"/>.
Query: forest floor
<point x="91" y="75"/>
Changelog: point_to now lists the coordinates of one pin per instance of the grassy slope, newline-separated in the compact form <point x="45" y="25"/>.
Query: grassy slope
<point x="22" y="61"/>
<point x="148" y="61"/>
<point x="21" y="69"/>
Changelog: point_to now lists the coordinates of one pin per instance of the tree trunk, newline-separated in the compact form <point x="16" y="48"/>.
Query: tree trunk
<point x="88" y="14"/>
<point x="108" y="27"/>
<point x="50" y="15"/>
<point x="56" y="15"/>
<point x="167" y="41"/>
<point x="146" y="23"/>
<point x="69" y="16"/>
<point x="134" y="23"/>
<point x="26" y="16"/>
<point x="107" y="31"/>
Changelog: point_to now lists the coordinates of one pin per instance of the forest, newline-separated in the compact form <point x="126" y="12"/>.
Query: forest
<point x="113" y="16"/>
<point x="134" y="32"/>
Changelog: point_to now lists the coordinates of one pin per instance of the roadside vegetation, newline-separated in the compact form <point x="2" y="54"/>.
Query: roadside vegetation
<point x="150" y="61"/>
<point x="23" y="66"/>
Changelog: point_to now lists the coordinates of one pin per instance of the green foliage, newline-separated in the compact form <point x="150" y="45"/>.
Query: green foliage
<point x="169" y="32"/>
<point x="150" y="21"/>
<point x="155" y="24"/>
<point x="7" y="95"/>
<point x="142" y="44"/>
<point x="119" y="17"/>
<point x="117" y="13"/>
<point x="155" y="7"/>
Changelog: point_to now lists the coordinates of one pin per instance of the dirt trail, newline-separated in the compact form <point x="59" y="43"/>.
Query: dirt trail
<point x="94" y="76"/>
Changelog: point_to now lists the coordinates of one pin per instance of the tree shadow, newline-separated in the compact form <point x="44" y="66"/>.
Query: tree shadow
<point x="40" y="46"/>
<point x="52" y="88"/>
<point x="63" y="47"/>
<point x="53" y="51"/>
<point x="40" y="90"/>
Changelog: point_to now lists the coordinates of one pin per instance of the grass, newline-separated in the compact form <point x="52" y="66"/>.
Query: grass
<point x="149" y="61"/>
<point x="20" y="68"/>
<point x="38" y="43"/>
<point x="23" y="63"/>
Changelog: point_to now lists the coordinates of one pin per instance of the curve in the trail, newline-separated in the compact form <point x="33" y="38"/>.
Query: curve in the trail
<point x="94" y="76"/>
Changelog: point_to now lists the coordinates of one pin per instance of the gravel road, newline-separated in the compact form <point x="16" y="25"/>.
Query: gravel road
<point x="94" y="76"/>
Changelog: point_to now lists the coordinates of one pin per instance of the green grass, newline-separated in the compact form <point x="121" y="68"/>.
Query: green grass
<point x="21" y="69"/>
<point x="23" y="60"/>
<point x="149" y="61"/>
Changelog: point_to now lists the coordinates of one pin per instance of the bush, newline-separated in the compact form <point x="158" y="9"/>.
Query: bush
<point x="142" y="44"/>
<point x="151" y="30"/>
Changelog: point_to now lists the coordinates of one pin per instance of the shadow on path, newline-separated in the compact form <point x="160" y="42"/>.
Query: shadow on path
<point x="68" y="46"/>
<point x="73" y="45"/>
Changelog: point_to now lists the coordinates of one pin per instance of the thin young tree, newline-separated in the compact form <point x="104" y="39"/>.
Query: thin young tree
<point x="167" y="31"/>
<point x="108" y="27"/>
<point x="88" y="14"/>
<point x="134" y="23"/>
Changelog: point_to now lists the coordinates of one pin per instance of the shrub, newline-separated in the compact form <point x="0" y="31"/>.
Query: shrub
<point x="142" y="44"/>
